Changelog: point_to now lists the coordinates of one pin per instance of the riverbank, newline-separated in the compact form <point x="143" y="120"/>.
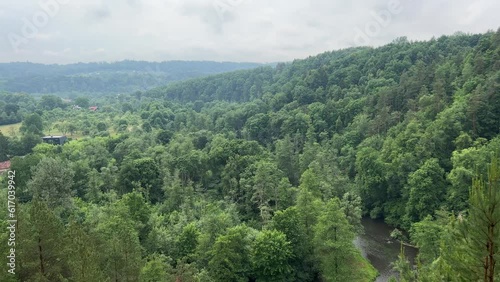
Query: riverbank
<point x="366" y="272"/>
<point x="377" y="246"/>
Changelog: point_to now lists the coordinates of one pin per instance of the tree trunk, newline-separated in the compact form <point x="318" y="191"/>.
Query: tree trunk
<point x="491" y="249"/>
<point x="42" y="268"/>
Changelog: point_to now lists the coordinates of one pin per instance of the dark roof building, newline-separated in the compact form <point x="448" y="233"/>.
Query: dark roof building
<point x="55" y="140"/>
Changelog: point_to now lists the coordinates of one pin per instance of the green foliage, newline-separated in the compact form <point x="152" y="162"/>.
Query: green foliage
<point x="333" y="243"/>
<point x="351" y="206"/>
<point x="463" y="247"/>
<point x="101" y="126"/>
<point x="427" y="234"/>
<point x="270" y="256"/>
<point x="41" y="247"/>
<point x="157" y="269"/>
<point x="371" y="178"/>
<point x="404" y="268"/>
<point x="187" y="242"/>
<point x="289" y="222"/>
<point x="143" y="173"/>
<point x="83" y="256"/>
<point x="83" y="102"/>
<point x="265" y="173"/>
<point x="50" y="102"/>
<point x="120" y="245"/>
<point x="230" y="256"/>
<point x="267" y="188"/>
<point x="427" y="188"/>
<point x="134" y="206"/>
<point x="32" y="124"/>
<point x="4" y="147"/>
<point x="51" y="182"/>
<point x="215" y="219"/>
<point x="103" y="78"/>
<point x="309" y="208"/>
<point x="288" y="159"/>
<point x="476" y="255"/>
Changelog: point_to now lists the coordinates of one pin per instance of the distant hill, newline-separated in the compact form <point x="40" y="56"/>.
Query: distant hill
<point x="124" y="76"/>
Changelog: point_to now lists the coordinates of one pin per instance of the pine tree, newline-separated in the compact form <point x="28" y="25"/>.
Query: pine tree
<point x="120" y="248"/>
<point x="83" y="256"/>
<point x="41" y="244"/>
<point x="476" y="246"/>
<point x="333" y="243"/>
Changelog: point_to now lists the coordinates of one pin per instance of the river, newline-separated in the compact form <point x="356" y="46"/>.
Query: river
<point x="379" y="248"/>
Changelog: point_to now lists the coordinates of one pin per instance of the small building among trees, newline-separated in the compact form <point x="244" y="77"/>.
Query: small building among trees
<point x="55" y="140"/>
<point x="4" y="166"/>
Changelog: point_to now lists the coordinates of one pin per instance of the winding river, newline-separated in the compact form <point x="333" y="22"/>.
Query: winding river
<point x="379" y="248"/>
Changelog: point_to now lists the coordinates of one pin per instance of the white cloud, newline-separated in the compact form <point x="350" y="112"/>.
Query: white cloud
<point x="247" y="30"/>
<point x="50" y="53"/>
<point x="46" y="36"/>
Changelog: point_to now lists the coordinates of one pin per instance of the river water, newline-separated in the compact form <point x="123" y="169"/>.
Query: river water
<point x="379" y="248"/>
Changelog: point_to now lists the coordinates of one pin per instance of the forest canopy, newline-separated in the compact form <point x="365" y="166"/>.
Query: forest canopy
<point x="264" y="174"/>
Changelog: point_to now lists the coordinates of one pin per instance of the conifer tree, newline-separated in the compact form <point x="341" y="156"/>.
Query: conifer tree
<point x="333" y="243"/>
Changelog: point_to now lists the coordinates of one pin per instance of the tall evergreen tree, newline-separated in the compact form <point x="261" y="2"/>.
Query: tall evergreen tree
<point x="478" y="234"/>
<point x="333" y="243"/>
<point x="41" y="243"/>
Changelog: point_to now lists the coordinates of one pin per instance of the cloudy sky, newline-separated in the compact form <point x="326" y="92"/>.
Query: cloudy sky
<point x="67" y="31"/>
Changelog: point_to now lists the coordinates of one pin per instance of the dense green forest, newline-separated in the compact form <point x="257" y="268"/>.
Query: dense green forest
<point x="104" y="78"/>
<point x="264" y="174"/>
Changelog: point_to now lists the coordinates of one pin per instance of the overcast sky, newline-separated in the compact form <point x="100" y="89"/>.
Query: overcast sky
<point x="223" y="30"/>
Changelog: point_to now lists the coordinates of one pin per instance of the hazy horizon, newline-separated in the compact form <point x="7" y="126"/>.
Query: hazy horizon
<point x="145" y="61"/>
<point x="72" y="31"/>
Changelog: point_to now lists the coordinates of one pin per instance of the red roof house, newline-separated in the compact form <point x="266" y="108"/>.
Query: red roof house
<point x="93" y="108"/>
<point x="4" y="166"/>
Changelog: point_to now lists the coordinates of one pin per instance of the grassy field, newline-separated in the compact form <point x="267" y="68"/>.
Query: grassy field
<point x="11" y="129"/>
<point x="76" y="135"/>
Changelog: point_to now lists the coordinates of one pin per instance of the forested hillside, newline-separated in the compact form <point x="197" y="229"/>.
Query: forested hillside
<point x="391" y="115"/>
<point x="103" y="78"/>
<point x="264" y="174"/>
